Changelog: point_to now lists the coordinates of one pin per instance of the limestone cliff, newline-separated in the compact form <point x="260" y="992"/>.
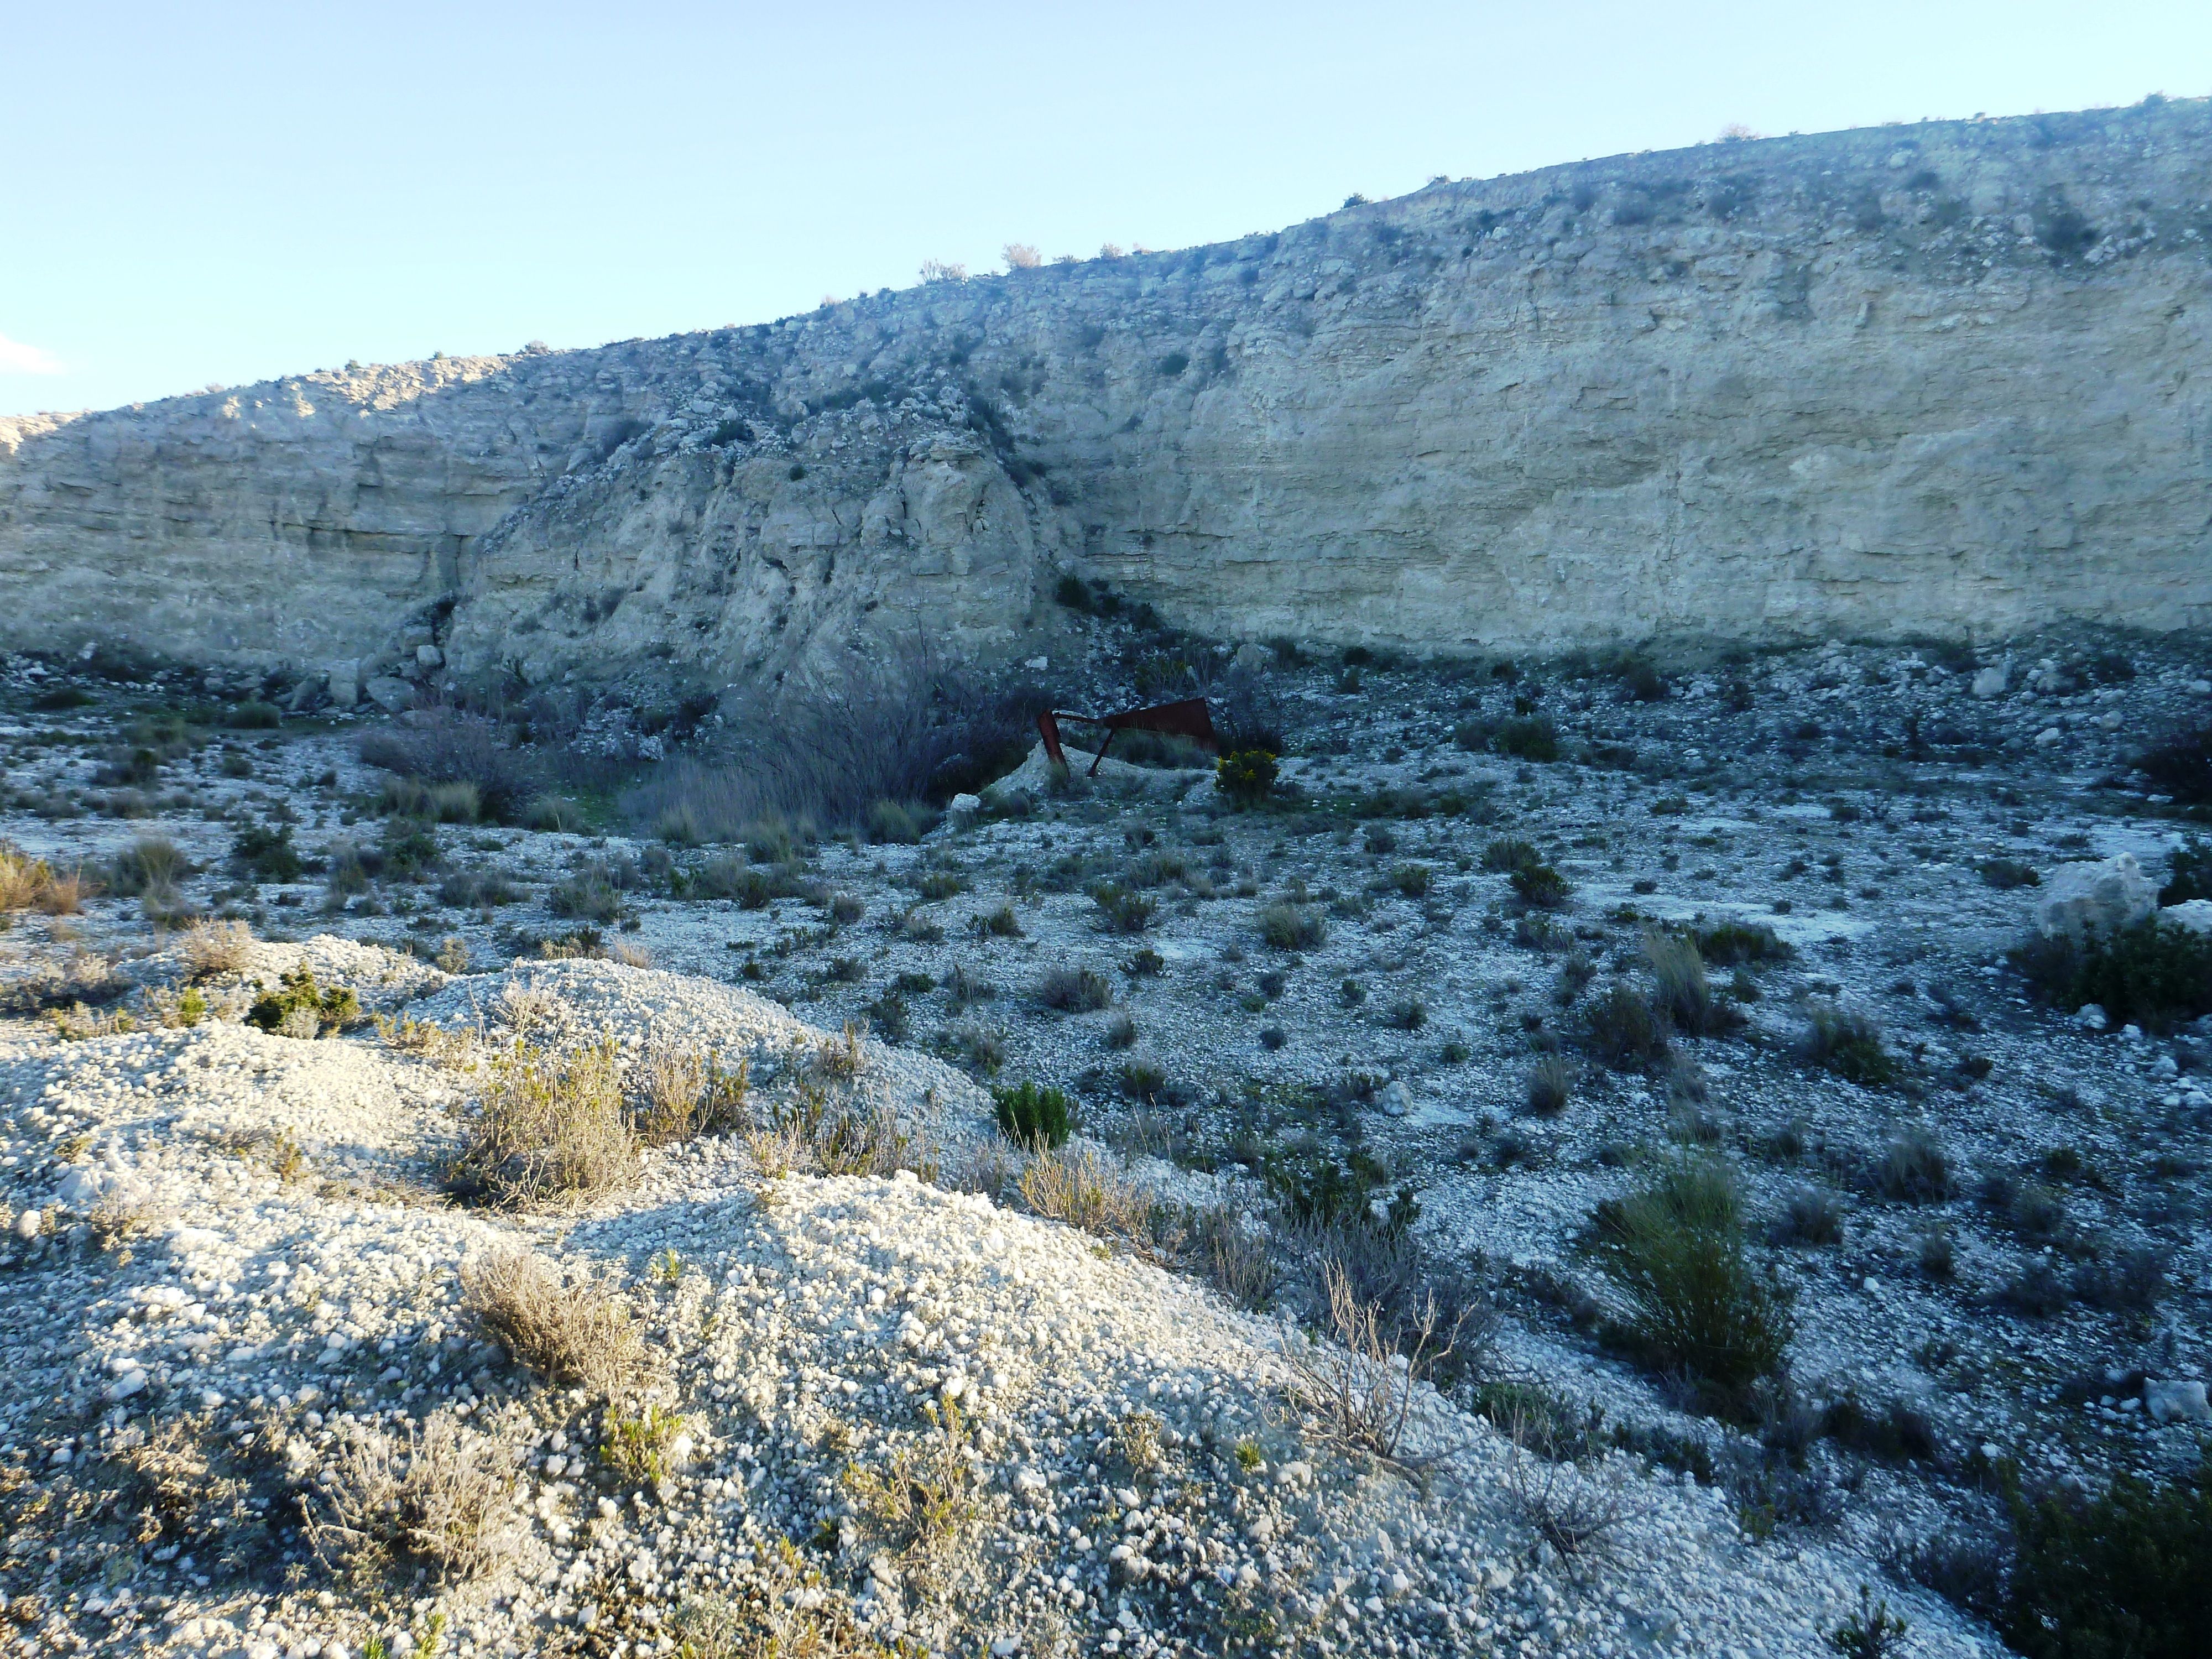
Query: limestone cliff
<point x="1948" y="379"/>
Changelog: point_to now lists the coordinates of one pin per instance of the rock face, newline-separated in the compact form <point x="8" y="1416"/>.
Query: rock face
<point x="2095" y="898"/>
<point x="1946" y="379"/>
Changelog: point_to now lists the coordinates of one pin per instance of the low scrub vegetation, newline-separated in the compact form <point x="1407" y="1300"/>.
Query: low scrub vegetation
<point x="1694" y="1305"/>
<point x="2154" y="974"/>
<point x="1033" y="1115"/>
<point x="573" y="1331"/>
<point x="551" y="1128"/>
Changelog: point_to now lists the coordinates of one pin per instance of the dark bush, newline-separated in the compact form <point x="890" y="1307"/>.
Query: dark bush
<point x="2188" y="873"/>
<point x="1529" y="737"/>
<point x="1848" y="1043"/>
<point x="1810" y="1216"/>
<point x="448" y="746"/>
<point x="1729" y="943"/>
<point x="2182" y="766"/>
<point x="1897" y="1433"/>
<point x="1674" y="1250"/>
<point x="1075" y="990"/>
<point x="1122" y="909"/>
<point x="1247" y="777"/>
<point x="2154" y="974"/>
<point x="911" y="732"/>
<point x="1032" y="1115"/>
<point x="2005" y="874"/>
<point x="1288" y="927"/>
<point x="1541" y="887"/>
<point x="265" y="851"/>
<point x="254" y="717"/>
<point x="1915" y="1169"/>
<point x="1623" y="1029"/>
<point x="1680" y="990"/>
<point x="2129" y="1283"/>
<point x="2120" y="1576"/>
<point x="1551" y="1085"/>
<point x="1507" y="853"/>
<point x="152" y="864"/>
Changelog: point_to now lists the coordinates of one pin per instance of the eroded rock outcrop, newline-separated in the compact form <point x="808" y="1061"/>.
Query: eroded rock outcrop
<point x="1943" y="378"/>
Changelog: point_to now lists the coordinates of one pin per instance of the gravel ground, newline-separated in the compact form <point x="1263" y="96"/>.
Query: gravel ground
<point x="248" y="1235"/>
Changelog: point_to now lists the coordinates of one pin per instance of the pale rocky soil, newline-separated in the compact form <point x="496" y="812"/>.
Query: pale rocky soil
<point x="245" y="1234"/>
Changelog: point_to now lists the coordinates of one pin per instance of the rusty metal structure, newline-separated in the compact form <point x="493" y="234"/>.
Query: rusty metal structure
<point x="1187" y="719"/>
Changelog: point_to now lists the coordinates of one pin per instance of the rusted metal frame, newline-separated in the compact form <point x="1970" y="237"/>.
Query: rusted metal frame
<point x="1188" y="718"/>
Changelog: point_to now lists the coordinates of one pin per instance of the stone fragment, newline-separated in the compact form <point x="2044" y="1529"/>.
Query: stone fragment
<point x="2098" y="896"/>
<point x="2176" y="1402"/>
<point x="391" y="694"/>
<point x="2195" y="915"/>
<point x="1393" y="1099"/>
<point x="343" y="683"/>
<point x="1992" y="681"/>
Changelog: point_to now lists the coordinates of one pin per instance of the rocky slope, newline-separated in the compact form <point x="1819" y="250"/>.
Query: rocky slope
<point x="1926" y="379"/>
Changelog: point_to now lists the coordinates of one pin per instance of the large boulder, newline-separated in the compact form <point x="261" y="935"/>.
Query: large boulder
<point x="2195" y="915"/>
<point x="2094" y="896"/>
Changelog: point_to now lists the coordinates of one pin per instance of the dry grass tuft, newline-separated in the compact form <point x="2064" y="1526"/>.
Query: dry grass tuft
<point x="551" y="1128"/>
<point x="1087" y="1191"/>
<point x="1572" y="1509"/>
<point x="438" y="1496"/>
<point x="30" y="883"/>
<point x="574" y="1332"/>
<point x="210" y="948"/>
<point x="687" y="1093"/>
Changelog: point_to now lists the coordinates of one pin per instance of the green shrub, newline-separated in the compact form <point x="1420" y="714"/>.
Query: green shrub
<point x="2153" y="973"/>
<point x="891" y="822"/>
<point x="1915" y="1169"/>
<point x="1508" y="853"/>
<point x="1624" y="1030"/>
<point x="299" y="1007"/>
<point x="1414" y="880"/>
<point x="267" y="851"/>
<point x="152" y="864"/>
<point x="1729" y="943"/>
<point x="1847" y="1043"/>
<point x="587" y="895"/>
<point x="1032" y="1115"/>
<point x="1075" y="990"/>
<point x="1246" y="777"/>
<point x="1681" y="991"/>
<point x="1000" y="923"/>
<point x="1312" y="1188"/>
<point x="254" y="717"/>
<point x="2121" y="1576"/>
<point x="1541" y="887"/>
<point x="1529" y="737"/>
<point x="2005" y="874"/>
<point x="1674" y="1250"/>
<point x="1122" y="909"/>
<point x="1288" y="927"/>
<point x="1073" y="592"/>
<point x="556" y="813"/>
<point x="2188" y="873"/>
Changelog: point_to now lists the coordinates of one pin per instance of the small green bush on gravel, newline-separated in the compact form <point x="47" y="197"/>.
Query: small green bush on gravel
<point x="1033" y="1115"/>
<point x="2121" y="1576"/>
<point x="1695" y="1307"/>
<point x="1246" y="778"/>
<point x="1847" y="1043"/>
<point x="299" y="1007"/>
<point x="2154" y="975"/>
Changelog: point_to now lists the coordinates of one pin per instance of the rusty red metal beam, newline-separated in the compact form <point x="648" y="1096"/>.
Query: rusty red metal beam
<point x="1187" y="719"/>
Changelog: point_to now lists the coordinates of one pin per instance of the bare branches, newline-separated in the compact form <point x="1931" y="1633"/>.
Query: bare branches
<point x="1360" y="1389"/>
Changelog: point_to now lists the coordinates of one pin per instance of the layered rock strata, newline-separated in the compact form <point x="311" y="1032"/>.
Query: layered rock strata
<point x="1946" y="379"/>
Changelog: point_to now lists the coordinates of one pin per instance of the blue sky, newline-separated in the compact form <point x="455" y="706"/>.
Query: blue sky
<point x="224" y="193"/>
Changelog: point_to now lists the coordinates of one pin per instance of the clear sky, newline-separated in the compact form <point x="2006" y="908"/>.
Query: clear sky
<point x="221" y="193"/>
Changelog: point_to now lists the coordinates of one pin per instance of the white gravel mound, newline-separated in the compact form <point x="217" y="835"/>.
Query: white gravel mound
<point x="260" y="1263"/>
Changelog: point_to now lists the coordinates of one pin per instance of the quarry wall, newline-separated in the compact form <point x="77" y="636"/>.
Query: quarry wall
<point x="1949" y="378"/>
